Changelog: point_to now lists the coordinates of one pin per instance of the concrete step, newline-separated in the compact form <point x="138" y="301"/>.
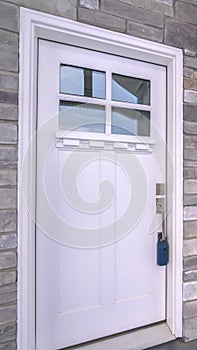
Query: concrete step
<point x="176" y="345"/>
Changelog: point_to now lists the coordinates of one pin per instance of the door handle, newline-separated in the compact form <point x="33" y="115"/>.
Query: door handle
<point x="162" y="243"/>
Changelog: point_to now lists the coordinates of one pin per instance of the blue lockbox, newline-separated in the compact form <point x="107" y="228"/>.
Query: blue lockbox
<point x="162" y="251"/>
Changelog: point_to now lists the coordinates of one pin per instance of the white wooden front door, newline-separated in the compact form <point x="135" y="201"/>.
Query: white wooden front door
<point x="101" y="133"/>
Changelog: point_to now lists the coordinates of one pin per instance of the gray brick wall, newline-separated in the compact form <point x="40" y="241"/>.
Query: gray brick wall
<point x="173" y="22"/>
<point x="9" y="16"/>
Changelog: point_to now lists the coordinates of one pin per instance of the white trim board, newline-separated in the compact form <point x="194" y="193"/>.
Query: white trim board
<point x="35" y="25"/>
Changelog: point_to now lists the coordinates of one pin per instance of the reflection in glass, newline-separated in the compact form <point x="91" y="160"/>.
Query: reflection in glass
<point x="130" y="122"/>
<point x="82" y="81"/>
<point x="131" y="90"/>
<point x="81" y="117"/>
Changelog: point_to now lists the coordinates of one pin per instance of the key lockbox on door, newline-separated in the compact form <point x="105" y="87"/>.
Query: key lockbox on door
<point x="162" y="251"/>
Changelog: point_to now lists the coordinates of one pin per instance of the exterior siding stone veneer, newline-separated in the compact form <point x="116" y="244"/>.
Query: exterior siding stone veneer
<point x="172" y="22"/>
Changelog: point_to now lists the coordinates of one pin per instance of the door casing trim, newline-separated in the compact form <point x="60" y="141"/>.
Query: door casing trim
<point x="35" y="25"/>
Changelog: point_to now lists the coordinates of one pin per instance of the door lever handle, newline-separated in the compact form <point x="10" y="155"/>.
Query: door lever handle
<point x="162" y="243"/>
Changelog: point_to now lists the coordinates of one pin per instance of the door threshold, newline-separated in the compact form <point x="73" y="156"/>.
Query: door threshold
<point x="139" y="339"/>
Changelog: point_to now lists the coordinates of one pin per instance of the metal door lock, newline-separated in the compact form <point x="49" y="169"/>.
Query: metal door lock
<point x="162" y="243"/>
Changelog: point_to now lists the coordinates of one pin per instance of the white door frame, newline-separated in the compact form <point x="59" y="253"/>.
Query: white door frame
<point x="35" y="25"/>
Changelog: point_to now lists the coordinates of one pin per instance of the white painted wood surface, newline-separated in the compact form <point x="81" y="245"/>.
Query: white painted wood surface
<point x="34" y="25"/>
<point x="84" y="294"/>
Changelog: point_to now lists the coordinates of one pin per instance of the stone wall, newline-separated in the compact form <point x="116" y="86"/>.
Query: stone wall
<point x="173" y="22"/>
<point x="9" y="15"/>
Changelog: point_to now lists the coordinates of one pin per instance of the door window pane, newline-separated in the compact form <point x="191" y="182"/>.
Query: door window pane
<point x="130" y="122"/>
<point x="131" y="90"/>
<point x="82" y="82"/>
<point x="81" y="117"/>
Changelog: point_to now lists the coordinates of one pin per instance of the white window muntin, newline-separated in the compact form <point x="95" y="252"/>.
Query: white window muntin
<point x="111" y="65"/>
